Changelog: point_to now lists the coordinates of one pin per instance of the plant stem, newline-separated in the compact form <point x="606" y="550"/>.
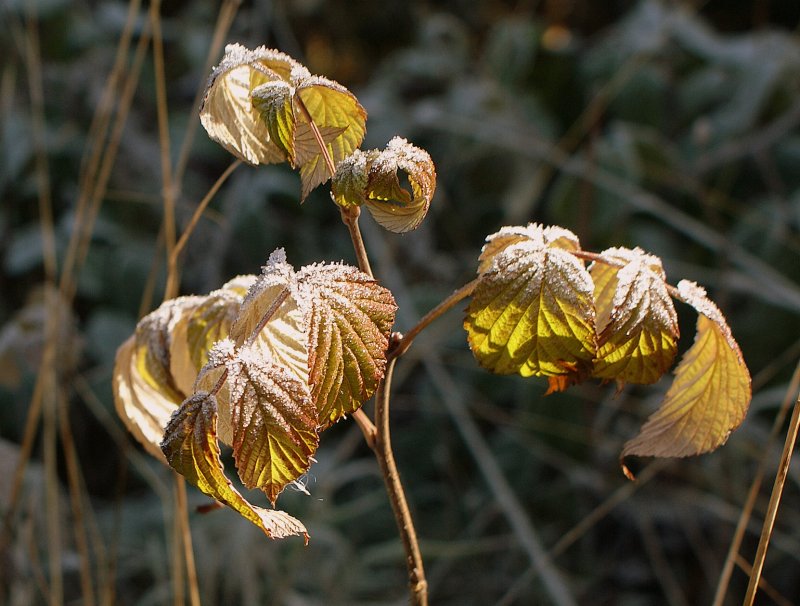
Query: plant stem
<point x="350" y="219"/>
<point x="774" y="503"/>
<point x="405" y="341"/>
<point x="391" y="477"/>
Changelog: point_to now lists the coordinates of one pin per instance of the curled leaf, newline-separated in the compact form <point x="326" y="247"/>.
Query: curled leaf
<point x="227" y="112"/>
<point x="190" y="447"/>
<point x="636" y="321"/>
<point x="350" y="318"/>
<point x="532" y="311"/>
<point x="709" y="396"/>
<point x="145" y="390"/>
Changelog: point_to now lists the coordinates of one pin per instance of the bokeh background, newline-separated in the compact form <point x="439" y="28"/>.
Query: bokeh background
<point x="672" y="126"/>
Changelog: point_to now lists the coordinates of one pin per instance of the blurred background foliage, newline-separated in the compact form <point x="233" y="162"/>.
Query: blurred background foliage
<point x="670" y="126"/>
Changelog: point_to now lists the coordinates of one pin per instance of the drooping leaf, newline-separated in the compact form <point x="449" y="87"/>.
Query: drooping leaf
<point x="340" y="121"/>
<point x="284" y="338"/>
<point x="350" y="318"/>
<point x="190" y="446"/>
<point x="391" y="205"/>
<point x="709" y="396"/>
<point x="274" y="422"/>
<point x="227" y="112"/>
<point x="145" y="391"/>
<point x="532" y="311"/>
<point x="637" y="324"/>
<point x="200" y="327"/>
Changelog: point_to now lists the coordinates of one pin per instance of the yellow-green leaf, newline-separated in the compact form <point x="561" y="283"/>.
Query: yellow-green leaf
<point x="273" y="418"/>
<point x="350" y="319"/>
<point x="190" y="446"/>
<point x="145" y="391"/>
<point x="273" y="101"/>
<point x="207" y="322"/>
<point x="637" y="324"/>
<point x="390" y="204"/>
<point x="532" y="311"/>
<point x="227" y="112"/>
<point x="340" y="121"/>
<point x="709" y="396"/>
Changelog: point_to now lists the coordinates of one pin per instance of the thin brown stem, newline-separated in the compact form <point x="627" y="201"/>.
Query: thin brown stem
<point x="181" y="509"/>
<point x="408" y="338"/>
<point x="774" y="503"/>
<point x="391" y="477"/>
<point x="350" y="219"/>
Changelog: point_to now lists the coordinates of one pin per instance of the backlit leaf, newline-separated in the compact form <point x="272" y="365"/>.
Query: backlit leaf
<point x="709" y="396"/>
<point x="350" y="318"/>
<point x="145" y="391"/>
<point x="190" y="446"/>
<point x="201" y="326"/>
<point x="339" y="118"/>
<point x="284" y="338"/>
<point x="637" y="324"/>
<point x="532" y="311"/>
<point x="227" y="112"/>
<point x="273" y="101"/>
<point x="274" y="422"/>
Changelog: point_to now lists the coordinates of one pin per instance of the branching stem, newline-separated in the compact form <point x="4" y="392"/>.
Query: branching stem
<point x="405" y="341"/>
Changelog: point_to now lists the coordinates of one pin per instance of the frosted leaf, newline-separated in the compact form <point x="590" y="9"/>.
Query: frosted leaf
<point x="532" y="311"/>
<point x="390" y="204"/>
<point x="637" y="323"/>
<point x="283" y="339"/>
<point x="551" y="237"/>
<point x="190" y="447"/>
<point x="709" y="396"/>
<point x="274" y="422"/>
<point x="227" y="112"/>
<point x="349" y="318"/>
<point x="145" y="390"/>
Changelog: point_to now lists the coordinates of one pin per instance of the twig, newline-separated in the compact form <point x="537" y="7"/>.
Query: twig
<point x="774" y="503"/>
<point x="408" y="338"/>
<point x="752" y="495"/>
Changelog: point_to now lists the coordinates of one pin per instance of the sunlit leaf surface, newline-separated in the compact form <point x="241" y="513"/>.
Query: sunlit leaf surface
<point x="532" y="312"/>
<point x="273" y="419"/>
<point x="350" y="319"/>
<point x="145" y="391"/>
<point x="709" y="396"/>
<point x="637" y="324"/>
<point x="190" y="446"/>
<point x="227" y="112"/>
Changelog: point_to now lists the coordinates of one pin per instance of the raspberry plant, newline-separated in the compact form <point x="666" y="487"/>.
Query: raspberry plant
<point x="266" y="363"/>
